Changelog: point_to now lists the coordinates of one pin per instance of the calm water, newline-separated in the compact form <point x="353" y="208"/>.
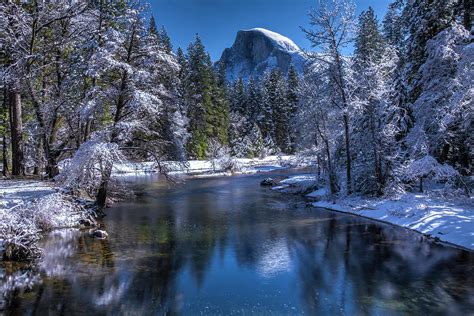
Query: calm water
<point x="227" y="246"/>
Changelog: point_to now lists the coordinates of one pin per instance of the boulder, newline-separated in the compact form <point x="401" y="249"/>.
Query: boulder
<point x="268" y="182"/>
<point x="100" y="234"/>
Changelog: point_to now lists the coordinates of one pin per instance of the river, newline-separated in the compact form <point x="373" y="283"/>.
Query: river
<point x="225" y="245"/>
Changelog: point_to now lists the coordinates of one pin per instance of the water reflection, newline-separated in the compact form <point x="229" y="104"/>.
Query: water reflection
<point x="223" y="246"/>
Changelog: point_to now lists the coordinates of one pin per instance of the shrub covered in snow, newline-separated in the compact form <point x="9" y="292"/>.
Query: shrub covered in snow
<point x="18" y="236"/>
<point x="58" y="211"/>
<point x="21" y="226"/>
<point x="221" y="159"/>
<point x="428" y="167"/>
<point x="84" y="172"/>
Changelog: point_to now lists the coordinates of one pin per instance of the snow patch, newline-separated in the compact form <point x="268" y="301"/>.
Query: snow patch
<point x="450" y="221"/>
<point x="280" y="40"/>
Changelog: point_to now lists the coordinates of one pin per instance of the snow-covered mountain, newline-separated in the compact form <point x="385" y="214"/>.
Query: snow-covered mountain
<point x="257" y="50"/>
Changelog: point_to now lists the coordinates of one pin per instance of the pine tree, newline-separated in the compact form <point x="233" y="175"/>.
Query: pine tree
<point x="423" y="20"/>
<point x="253" y="100"/>
<point x="218" y="117"/>
<point x="274" y="122"/>
<point x="293" y="101"/>
<point x="152" y="27"/>
<point x="206" y="102"/>
<point x="183" y="65"/>
<point x="265" y="118"/>
<point x="237" y="97"/>
<point x="369" y="42"/>
<point x="165" y="40"/>
<point x="377" y="122"/>
<point x="197" y="98"/>
<point x="393" y="27"/>
<point x="395" y="33"/>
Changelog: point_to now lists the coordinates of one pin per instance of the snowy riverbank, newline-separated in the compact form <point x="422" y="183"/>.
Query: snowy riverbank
<point x="211" y="167"/>
<point x="449" y="220"/>
<point x="28" y="208"/>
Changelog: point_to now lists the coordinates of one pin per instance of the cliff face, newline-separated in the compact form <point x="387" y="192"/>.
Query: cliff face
<point x="258" y="50"/>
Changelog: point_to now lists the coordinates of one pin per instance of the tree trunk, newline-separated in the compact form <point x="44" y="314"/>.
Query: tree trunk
<point x="87" y="130"/>
<point x="468" y="13"/>
<point x="340" y="82"/>
<point x="5" y="156"/>
<point x="348" y="154"/>
<point x="53" y="154"/>
<point x="52" y="168"/>
<point x="16" y="133"/>
<point x="375" y="151"/>
<point x="101" y="198"/>
<point x="332" y="178"/>
<point x="38" y="159"/>
<point x="4" y="136"/>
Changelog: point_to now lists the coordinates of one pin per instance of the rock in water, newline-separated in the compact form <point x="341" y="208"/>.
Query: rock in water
<point x="100" y="234"/>
<point x="259" y="50"/>
<point x="268" y="182"/>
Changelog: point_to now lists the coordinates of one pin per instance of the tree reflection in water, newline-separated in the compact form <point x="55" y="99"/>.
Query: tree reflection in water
<point x="226" y="245"/>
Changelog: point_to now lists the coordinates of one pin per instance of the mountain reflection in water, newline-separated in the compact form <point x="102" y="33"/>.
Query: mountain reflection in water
<point x="226" y="245"/>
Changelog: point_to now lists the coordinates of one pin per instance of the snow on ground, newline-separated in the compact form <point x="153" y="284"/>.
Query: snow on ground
<point x="449" y="220"/>
<point x="40" y="202"/>
<point x="29" y="207"/>
<point x="136" y="168"/>
<point x="15" y="192"/>
<point x="318" y="194"/>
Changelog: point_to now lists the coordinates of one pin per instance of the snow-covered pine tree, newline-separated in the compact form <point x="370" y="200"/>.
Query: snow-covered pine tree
<point x="165" y="40"/>
<point x="371" y="76"/>
<point x="434" y="106"/>
<point x="170" y="124"/>
<point x="237" y="97"/>
<point x="292" y="98"/>
<point x="152" y="30"/>
<point x="253" y="100"/>
<point x="423" y="20"/>
<point x="274" y="121"/>
<point x="394" y="31"/>
<point x="244" y="134"/>
<point x="369" y="42"/>
<point x="393" y="26"/>
<point x="458" y="122"/>
<point x="237" y="133"/>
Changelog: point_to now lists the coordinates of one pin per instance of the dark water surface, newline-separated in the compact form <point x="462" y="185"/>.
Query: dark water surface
<point x="224" y="246"/>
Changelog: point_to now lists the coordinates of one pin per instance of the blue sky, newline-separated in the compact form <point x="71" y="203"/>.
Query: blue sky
<point x="217" y="21"/>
